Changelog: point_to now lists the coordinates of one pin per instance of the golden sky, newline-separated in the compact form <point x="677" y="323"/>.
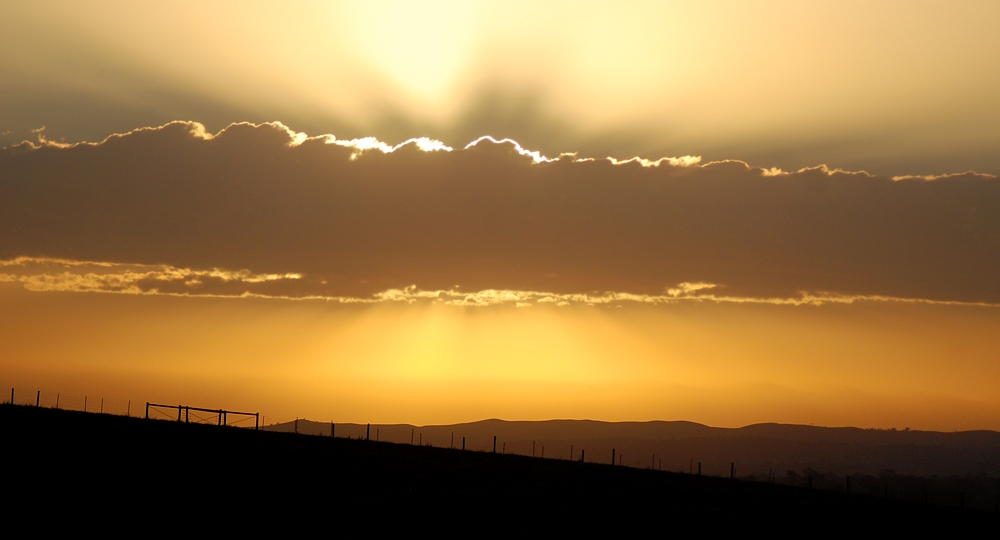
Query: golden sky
<point x="292" y="208"/>
<point x="892" y="87"/>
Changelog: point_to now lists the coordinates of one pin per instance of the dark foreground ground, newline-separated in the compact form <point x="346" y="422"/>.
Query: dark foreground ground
<point x="84" y="470"/>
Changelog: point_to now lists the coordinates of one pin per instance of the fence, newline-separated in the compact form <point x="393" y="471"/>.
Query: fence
<point x="69" y="402"/>
<point x="120" y="407"/>
<point x="198" y="415"/>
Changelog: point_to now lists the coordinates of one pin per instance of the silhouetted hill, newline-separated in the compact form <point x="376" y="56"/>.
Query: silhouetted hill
<point x="113" y="472"/>
<point x="759" y="449"/>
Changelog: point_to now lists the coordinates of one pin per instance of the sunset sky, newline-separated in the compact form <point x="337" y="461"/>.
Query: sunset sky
<point x="435" y="212"/>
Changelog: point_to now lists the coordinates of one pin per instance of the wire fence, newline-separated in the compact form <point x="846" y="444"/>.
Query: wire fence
<point x="199" y="415"/>
<point x="124" y="407"/>
<point x="70" y="402"/>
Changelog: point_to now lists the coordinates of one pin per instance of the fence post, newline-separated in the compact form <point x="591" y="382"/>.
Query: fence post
<point x="179" y="409"/>
<point x="147" y="406"/>
<point x="84" y="403"/>
<point x="452" y="440"/>
<point x="582" y="454"/>
<point x="368" y="433"/>
<point x="256" y="421"/>
<point x="57" y="398"/>
<point x="128" y="409"/>
<point x="187" y="414"/>
<point x="333" y="430"/>
<point x="494" y="444"/>
<point x="463" y="442"/>
<point x="225" y="418"/>
<point x="38" y="398"/>
<point x="102" y="405"/>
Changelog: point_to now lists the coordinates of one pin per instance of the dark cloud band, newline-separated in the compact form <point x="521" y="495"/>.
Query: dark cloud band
<point x="353" y="221"/>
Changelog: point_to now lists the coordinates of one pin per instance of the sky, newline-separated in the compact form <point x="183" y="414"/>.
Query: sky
<point x="722" y="212"/>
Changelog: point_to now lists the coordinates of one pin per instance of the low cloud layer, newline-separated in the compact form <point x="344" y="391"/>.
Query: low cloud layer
<point x="56" y="275"/>
<point x="352" y="220"/>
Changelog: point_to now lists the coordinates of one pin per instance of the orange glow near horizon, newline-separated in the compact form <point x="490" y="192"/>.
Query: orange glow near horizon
<point x="924" y="367"/>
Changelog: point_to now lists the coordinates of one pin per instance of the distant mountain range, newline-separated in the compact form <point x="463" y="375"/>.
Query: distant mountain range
<point x="755" y="450"/>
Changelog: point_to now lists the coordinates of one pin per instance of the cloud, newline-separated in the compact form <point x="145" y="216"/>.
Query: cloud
<point x="932" y="177"/>
<point x="535" y="156"/>
<point x="683" y="161"/>
<point x="36" y="274"/>
<point x="371" y="143"/>
<point x="688" y="288"/>
<point x="353" y="222"/>
<point x="58" y="275"/>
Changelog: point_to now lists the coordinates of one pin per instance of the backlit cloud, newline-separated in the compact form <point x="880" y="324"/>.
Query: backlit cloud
<point x="338" y="219"/>
<point x="47" y="275"/>
<point x="58" y="275"/>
